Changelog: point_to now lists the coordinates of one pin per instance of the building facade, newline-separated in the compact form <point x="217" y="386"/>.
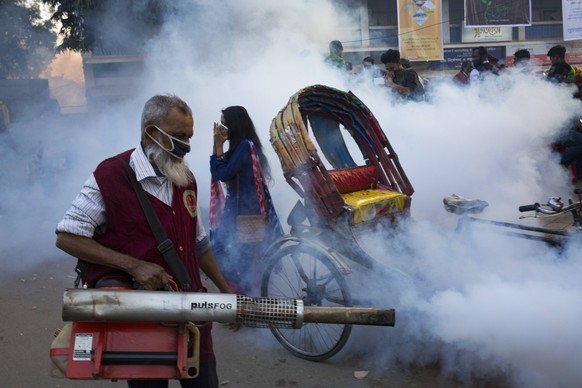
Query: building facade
<point x="378" y="31"/>
<point x="111" y="75"/>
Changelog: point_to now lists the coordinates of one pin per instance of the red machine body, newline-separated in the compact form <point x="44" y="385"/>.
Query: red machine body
<point x="113" y="350"/>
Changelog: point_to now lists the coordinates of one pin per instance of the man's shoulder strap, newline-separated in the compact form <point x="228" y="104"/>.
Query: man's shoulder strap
<point x="165" y="245"/>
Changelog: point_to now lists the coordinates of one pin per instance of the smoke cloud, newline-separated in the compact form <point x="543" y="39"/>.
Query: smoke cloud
<point x="482" y="305"/>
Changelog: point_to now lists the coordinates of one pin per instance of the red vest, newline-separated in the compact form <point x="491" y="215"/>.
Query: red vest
<point x="127" y="230"/>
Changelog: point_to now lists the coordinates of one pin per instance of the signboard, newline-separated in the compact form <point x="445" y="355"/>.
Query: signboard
<point x="453" y="57"/>
<point x="486" y="13"/>
<point x="572" y="19"/>
<point x="487" y="34"/>
<point x="420" y="30"/>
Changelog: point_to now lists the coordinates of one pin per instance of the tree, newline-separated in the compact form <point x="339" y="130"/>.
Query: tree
<point x="110" y="25"/>
<point x="26" y="41"/>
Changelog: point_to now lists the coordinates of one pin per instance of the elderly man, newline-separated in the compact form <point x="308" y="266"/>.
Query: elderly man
<point x="106" y="226"/>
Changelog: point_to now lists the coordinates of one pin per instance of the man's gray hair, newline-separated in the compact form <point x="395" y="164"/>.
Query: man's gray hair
<point x="157" y="108"/>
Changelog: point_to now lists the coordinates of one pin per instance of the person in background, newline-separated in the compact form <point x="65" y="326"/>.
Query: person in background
<point x="371" y="72"/>
<point x="563" y="72"/>
<point x="404" y="82"/>
<point x="560" y="69"/>
<point x="462" y="77"/>
<point x="335" y="57"/>
<point x="106" y="226"/>
<point x="239" y="168"/>
<point x="496" y="63"/>
<point x="349" y="67"/>
<point x="481" y="65"/>
<point x="521" y="61"/>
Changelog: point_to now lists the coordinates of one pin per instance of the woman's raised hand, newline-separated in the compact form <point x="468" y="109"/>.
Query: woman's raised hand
<point x="220" y="133"/>
<point x="220" y="136"/>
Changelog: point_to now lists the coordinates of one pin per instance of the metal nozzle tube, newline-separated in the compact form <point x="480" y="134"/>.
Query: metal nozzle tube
<point x="350" y="315"/>
<point x="100" y="305"/>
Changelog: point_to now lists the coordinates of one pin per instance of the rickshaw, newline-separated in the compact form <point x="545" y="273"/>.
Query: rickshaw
<point x="312" y="262"/>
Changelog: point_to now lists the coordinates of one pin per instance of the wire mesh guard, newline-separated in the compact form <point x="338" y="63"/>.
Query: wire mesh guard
<point x="269" y="312"/>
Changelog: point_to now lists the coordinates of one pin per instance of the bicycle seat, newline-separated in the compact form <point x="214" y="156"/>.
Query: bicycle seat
<point x="459" y="205"/>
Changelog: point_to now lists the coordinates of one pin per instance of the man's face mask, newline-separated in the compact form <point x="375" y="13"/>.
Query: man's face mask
<point x="179" y="147"/>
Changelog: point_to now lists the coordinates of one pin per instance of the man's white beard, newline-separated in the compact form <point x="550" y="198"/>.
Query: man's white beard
<point x="176" y="170"/>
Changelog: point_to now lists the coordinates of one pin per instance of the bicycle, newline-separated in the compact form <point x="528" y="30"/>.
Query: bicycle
<point x="553" y="208"/>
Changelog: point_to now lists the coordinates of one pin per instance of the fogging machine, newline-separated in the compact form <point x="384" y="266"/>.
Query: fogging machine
<point x="130" y="334"/>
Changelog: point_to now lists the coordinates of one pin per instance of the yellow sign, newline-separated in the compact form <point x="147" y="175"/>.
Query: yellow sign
<point x="420" y="30"/>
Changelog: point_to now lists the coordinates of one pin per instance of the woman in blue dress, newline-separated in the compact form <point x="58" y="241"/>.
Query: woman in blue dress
<point x="234" y="167"/>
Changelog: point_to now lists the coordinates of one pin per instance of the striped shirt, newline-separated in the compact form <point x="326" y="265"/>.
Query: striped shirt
<point x="87" y="214"/>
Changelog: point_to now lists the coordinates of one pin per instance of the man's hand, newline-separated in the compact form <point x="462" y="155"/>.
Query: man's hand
<point x="150" y="275"/>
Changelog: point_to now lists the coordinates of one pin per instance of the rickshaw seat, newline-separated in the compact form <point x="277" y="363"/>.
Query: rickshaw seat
<point x="348" y="180"/>
<point x="360" y="190"/>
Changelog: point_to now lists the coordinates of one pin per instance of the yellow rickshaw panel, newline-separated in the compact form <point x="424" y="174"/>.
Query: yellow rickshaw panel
<point x="372" y="203"/>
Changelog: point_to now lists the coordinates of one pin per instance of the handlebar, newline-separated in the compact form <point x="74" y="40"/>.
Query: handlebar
<point x="554" y="207"/>
<point x="529" y="208"/>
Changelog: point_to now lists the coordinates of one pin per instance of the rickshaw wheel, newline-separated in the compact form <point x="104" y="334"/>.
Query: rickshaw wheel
<point x="303" y="272"/>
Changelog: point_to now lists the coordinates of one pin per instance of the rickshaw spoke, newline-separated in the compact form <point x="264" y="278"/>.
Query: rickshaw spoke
<point x="325" y="280"/>
<point x="288" y="284"/>
<point x="299" y="268"/>
<point x="335" y="296"/>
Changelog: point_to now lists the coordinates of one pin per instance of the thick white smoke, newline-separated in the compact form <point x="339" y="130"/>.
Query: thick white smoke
<point x="482" y="305"/>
